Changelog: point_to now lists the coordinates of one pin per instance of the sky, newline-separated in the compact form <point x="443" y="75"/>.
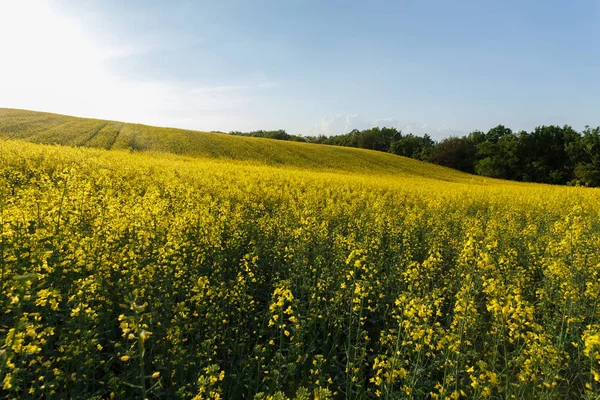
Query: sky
<point x="309" y="67"/>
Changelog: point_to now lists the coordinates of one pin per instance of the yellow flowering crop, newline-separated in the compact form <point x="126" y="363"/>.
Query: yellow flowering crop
<point x="249" y="274"/>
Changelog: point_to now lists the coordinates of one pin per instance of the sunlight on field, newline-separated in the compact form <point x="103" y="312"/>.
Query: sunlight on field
<point x="70" y="131"/>
<point x="136" y="275"/>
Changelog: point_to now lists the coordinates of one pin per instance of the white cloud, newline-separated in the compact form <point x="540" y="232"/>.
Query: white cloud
<point x="51" y="62"/>
<point x="342" y="123"/>
<point x="338" y="124"/>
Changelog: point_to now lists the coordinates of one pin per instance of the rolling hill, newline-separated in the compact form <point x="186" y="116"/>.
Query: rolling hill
<point x="143" y="262"/>
<point x="47" y="128"/>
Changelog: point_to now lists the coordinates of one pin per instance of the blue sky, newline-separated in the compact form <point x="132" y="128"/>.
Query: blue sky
<point x="310" y="67"/>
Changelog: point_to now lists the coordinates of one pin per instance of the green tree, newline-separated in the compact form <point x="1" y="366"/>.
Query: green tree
<point x="454" y="152"/>
<point x="418" y="147"/>
<point x="496" y="153"/>
<point x="586" y="154"/>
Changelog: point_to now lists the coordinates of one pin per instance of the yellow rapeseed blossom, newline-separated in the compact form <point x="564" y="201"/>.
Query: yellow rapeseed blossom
<point x="238" y="275"/>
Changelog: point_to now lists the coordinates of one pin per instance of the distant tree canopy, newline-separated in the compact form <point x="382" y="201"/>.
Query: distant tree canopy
<point x="548" y="154"/>
<point x="278" y="134"/>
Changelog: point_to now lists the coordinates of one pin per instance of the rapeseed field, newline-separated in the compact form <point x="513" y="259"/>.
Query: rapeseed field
<point x="130" y="274"/>
<point x="46" y="128"/>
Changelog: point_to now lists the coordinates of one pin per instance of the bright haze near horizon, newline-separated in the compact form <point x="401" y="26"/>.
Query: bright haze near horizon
<point x="309" y="67"/>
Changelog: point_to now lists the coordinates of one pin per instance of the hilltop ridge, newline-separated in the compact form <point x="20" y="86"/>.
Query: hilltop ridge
<point x="49" y="128"/>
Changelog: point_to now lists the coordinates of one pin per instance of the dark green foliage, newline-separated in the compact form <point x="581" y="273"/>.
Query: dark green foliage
<point x="586" y="152"/>
<point x="377" y="138"/>
<point x="549" y="154"/>
<point x="453" y="152"/>
<point x="279" y="134"/>
<point x="412" y="146"/>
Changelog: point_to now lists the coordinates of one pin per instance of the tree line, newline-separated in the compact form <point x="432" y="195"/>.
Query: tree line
<point x="548" y="154"/>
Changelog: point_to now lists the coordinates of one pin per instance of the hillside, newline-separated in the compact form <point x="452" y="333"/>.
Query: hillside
<point x="237" y="268"/>
<point x="47" y="128"/>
